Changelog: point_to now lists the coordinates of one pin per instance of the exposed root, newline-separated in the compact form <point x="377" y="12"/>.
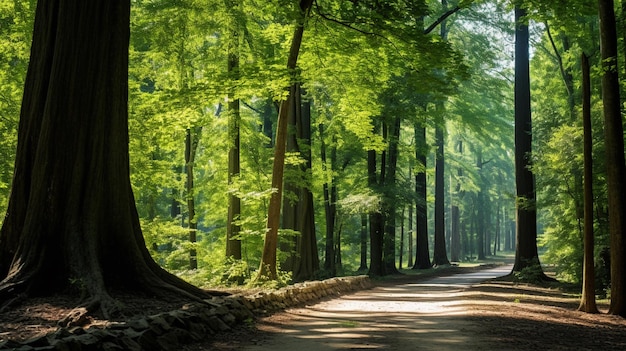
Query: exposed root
<point x="102" y="304"/>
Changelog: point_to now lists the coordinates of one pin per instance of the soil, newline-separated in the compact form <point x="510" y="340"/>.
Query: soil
<point x="450" y="312"/>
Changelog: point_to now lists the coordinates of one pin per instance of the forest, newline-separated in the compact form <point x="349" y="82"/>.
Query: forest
<point x="272" y="142"/>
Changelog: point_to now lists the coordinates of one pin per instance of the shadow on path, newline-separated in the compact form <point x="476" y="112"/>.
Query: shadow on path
<point x="423" y="315"/>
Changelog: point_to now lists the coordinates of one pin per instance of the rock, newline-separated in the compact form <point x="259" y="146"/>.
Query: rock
<point x="139" y="324"/>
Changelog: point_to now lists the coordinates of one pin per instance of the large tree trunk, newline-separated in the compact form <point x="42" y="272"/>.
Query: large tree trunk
<point x="616" y="168"/>
<point x="267" y="269"/>
<point x="72" y="214"/>
<point x="298" y="214"/>
<point x="588" y="299"/>
<point x="422" y="253"/>
<point x="526" y="223"/>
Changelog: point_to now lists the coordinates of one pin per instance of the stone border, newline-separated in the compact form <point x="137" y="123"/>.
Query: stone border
<point x="193" y="322"/>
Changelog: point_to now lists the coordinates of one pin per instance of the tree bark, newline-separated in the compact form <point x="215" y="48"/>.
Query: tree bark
<point x="363" y="265"/>
<point x="72" y="213"/>
<point x="389" y="244"/>
<point x="440" y="256"/>
<point x="455" y="216"/>
<point x="588" y="299"/>
<point x="233" y="243"/>
<point x="526" y="222"/>
<point x="422" y="253"/>
<point x="330" y="209"/>
<point x="298" y="214"/>
<point x="267" y="269"/>
<point x="191" y="144"/>
<point x="616" y="168"/>
<point x="480" y="210"/>
<point x="376" y="222"/>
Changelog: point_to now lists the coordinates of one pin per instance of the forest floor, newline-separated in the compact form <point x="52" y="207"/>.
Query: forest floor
<point x="467" y="310"/>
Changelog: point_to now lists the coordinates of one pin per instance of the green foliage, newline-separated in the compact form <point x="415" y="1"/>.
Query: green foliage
<point x="16" y="22"/>
<point x="362" y="63"/>
<point x="532" y="273"/>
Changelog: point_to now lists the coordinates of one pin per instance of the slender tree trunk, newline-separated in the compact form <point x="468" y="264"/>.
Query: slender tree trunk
<point x="401" y="239"/>
<point x="233" y="243"/>
<point x="268" y="259"/>
<point x="191" y="145"/>
<point x="440" y="256"/>
<point x="480" y="211"/>
<point x="422" y="253"/>
<point x="330" y="208"/>
<point x="72" y="214"/>
<point x="376" y="222"/>
<point x="616" y="168"/>
<point x="526" y="222"/>
<point x="363" y="265"/>
<point x="588" y="299"/>
<point x="390" y="184"/>
<point x="410" y="234"/>
<point x="455" y="235"/>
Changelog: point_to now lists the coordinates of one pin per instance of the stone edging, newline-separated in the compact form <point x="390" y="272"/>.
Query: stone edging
<point x="193" y="322"/>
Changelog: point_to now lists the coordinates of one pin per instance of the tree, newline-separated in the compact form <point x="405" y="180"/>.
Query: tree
<point x="588" y="299"/>
<point x="72" y="215"/>
<point x="422" y="254"/>
<point x="268" y="259"/>
<point x="526" y="254"/>
<point x="616" y="168"/>
<point x="233" y="243"/>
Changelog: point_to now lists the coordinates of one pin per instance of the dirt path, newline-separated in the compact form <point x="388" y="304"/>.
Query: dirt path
<point x="409" y="316"/>
<point x="459" y="312"/>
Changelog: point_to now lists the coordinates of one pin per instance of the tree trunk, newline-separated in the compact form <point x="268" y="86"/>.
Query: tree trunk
<point x="330" y="209"/>
<point x="267" y="269"/>
<point x="376" y="222"/>
<point x="191" y="145"/>
<point x="298" y="211"/>
<point x="422" y="253"/>
<point x="440" y="256"/>
<point x="233" y="243"/>
<point x="455" y="216"/>
<point x="616" y="168"/>
<point x="401" y="239"/>
<point x="588" y="299"/>
<point x="72" y="214"/>
<point x="291" y="195"/>
<point x="363" y="265"/>
<point x="389" y="245"/>
<point x="410" y="234"/>
<point x="526" y="222"/>
<point x="480" y="210"/>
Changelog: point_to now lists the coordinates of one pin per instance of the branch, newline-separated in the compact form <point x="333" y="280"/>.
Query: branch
<point x="349" y="25"/>
<point x="558" y="58"/>
<point x="252" y="108"/>
<point x="441" y="19"/>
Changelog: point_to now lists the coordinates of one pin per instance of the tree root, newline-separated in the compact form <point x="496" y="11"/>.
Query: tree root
<point x="102" y="304"/>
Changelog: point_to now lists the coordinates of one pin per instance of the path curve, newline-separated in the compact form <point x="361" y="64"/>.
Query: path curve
<point x="421" y="315"/>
